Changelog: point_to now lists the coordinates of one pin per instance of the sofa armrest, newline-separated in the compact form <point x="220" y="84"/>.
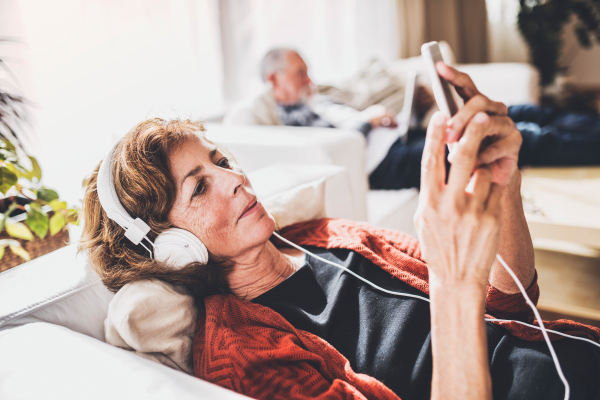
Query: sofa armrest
<point x="255" y="147"/>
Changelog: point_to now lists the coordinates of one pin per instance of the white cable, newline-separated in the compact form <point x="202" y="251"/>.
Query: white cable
<point x="542" y="327"/>
<point x="147" y="249"/>
<point x="547" y="330"/>
<point x="511" y="273"/>
<point x="350" y="272"/>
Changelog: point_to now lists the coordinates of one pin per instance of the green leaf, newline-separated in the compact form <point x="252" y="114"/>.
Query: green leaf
<point x="9" y="242"/>
<point x="8" y="156"/>
<point x="57" y="221"/>
<point x="6" y="144"/>
<point x="36" y="171"/>
<point x="18" y="230"/>
<point x="47" y="194"/>
<point x="35" y="205"/>
<point x="7" y="179"/>
<point x="37" y="221"/>
<point x="73" y="216"/>
<point x="58" y="205"/>
<point x="21" y="252"/>
<point x="16" y="169"/>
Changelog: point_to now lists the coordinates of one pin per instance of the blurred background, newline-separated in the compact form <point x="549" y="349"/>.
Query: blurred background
<point x="94" y="68"/>
<point x="89" y="70"/>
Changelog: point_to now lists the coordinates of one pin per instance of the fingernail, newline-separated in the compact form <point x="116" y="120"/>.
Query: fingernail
<point x="480" y="118"/>
<point x="439" y="119"/>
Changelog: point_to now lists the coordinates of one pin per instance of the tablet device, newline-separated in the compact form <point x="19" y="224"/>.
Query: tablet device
<point x="405" y="117"/>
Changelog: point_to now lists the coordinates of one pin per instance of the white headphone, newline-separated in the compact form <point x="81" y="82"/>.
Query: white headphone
<point x="176" y="246"/>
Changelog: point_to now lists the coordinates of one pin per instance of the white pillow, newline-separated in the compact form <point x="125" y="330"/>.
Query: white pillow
<point x="154" y="320"/>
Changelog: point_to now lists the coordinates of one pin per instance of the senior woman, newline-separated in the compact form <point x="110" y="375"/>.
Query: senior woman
<point x="310" y="330"/>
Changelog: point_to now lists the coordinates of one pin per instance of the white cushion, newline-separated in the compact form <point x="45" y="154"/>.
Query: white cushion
<point x="393" y="209"/>
<point x="156" y="321"/>
<point x="510" y="83"/>
<point x="256" y="147"/>
<point x="45" y="361"/>
<point x="295" y="193"/>
<point x="60" y="288"/>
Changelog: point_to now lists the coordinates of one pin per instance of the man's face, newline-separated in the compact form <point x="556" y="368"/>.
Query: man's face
<point x="292" y="85"/>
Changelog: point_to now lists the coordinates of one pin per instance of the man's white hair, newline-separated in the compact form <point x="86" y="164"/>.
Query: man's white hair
<point x="274" y="61"/>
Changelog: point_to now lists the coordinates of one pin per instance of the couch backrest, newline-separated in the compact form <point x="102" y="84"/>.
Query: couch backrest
<point x="256" y="147"/>
<point x="59" y="288"/>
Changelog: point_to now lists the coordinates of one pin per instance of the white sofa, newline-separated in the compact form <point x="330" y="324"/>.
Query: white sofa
<point x="52" y="309"/>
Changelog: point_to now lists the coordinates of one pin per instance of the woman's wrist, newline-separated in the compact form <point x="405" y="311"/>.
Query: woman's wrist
<point x="459" y="342"/>
<point x="468" y="294"/>
<point x="449" y="285"/>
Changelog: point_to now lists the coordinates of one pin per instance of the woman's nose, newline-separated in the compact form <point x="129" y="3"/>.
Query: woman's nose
<point x="233" y="181"/>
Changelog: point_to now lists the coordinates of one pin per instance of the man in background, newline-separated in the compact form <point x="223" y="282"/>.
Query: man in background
<point x="550" y="137"/>
<point x="290" y="99"/>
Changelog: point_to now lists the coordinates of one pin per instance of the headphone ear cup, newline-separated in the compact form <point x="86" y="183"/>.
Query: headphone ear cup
<point x="179" y="247"/>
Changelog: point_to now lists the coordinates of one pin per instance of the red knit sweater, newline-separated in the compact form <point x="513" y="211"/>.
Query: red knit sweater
<point x="253" y="350"/>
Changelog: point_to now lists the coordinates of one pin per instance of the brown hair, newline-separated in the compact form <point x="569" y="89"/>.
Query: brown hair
<point x="145" y="188"/>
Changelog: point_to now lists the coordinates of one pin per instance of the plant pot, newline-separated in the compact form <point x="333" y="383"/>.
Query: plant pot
<point x="35" y="248"/>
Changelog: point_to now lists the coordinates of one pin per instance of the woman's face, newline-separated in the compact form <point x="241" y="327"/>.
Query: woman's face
<point x="215" y="201"/>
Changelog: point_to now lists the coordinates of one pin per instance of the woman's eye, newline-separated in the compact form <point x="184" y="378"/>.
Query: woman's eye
<point x="199" y="189"/>
<point x="224" y="163"/>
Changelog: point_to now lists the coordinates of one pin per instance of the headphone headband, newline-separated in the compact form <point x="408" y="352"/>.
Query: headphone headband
<point x="135" y="230"/>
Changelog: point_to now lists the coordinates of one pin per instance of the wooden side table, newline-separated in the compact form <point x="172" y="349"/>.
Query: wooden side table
<point x="563" y="212"/>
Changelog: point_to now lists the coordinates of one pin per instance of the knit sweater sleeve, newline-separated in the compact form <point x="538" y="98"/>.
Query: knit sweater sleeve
<point x="512" y="306"/>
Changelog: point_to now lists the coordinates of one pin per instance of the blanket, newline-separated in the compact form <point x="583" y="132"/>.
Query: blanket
<point x="253" y="350"/>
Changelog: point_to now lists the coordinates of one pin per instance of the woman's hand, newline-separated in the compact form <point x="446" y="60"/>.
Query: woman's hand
<point x="458" y="222"/>
<point x="500" y="151"/>
<point x="458" y="227"/>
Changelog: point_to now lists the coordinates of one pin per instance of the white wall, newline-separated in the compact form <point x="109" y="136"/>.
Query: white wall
<point x="98" y="67"/>
<point x="336" y="37"/>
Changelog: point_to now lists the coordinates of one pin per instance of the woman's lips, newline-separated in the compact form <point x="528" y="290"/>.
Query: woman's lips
<point x="253" y="207"/>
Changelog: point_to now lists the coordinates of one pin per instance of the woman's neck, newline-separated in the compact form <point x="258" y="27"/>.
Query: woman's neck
<point x="261" y="272"/>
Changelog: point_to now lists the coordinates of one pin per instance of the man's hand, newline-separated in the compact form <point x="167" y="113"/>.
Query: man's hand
<point x="379" y="116"/>
<point x="500" y="150"/>
<point x="386" y="120"/>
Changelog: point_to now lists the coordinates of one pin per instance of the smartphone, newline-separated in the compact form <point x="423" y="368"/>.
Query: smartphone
<point x="441" y="88"/>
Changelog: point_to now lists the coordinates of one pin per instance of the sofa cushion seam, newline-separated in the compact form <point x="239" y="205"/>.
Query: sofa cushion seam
<point x="45" y="302"/>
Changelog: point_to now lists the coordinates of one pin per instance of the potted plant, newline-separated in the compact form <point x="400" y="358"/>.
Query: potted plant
<point x="541" y="23"/>
<point x="33" y="220"/>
